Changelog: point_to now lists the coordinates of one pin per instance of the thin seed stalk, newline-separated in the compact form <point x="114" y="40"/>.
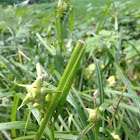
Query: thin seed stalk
<point x="64" y="86"/>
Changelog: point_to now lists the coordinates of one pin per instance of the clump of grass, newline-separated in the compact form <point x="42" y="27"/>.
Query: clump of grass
<point x="44" y="36"/>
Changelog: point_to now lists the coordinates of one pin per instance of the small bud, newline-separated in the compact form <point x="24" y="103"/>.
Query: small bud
<point x="94" y="115"/>
<point x="95" y="93"/>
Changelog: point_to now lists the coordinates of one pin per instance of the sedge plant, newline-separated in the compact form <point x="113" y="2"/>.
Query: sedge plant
<point x="43" y="98"/>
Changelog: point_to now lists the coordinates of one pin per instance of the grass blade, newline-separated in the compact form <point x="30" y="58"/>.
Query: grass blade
<point x="118" y="54"/>
<point x="17" y="125"/>
<point x="105" y="13"/>
<point x="100" y="84"/>
<point x="6" y="135"/>
<point x="64" y="86"/>
<point x="130" y="91"/>
<point x="49" y="48"/>
<point x="14" y="113"/>
<point x="28" y="117"/>
<point x="81" y="114"/>
<point x="128" y="131"/>
<point x="9" y="66"/>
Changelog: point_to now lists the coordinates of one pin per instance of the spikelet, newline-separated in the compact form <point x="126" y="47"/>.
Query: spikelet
<point x="33" y="90"/>
<point x="26" y="100"/>
<point x="40" y="96"/>
<point x="94" y="115"/>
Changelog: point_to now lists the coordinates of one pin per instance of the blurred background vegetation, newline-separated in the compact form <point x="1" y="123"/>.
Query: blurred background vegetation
<point x="45" y="32"/>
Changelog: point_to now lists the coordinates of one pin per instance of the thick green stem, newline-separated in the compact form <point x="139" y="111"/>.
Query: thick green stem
<point x="64" y="86"/>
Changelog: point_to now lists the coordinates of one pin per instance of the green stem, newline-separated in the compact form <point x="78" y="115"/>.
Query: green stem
<point x="14" y="113"/>
<point x="64" y="86"/>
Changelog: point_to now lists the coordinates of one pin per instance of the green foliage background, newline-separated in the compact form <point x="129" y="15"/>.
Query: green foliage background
<point x="43" y="33"/>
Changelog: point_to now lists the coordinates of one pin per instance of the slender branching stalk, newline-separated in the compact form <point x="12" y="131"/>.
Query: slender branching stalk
<point x="117" y="105"/>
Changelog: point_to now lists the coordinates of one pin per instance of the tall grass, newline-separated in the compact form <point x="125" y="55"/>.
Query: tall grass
<point x="41" y="39"/>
